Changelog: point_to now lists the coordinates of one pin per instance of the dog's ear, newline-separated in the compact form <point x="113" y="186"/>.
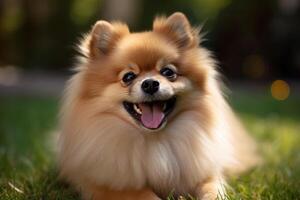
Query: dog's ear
<point x="176" y="28"/>
<point x="104" y="37"/>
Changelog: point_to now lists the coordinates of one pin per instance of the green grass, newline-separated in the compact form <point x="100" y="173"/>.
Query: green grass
<point x="27" y="164"/>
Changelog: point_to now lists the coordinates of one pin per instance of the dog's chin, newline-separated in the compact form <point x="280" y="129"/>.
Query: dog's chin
<point x="151" y="115"/>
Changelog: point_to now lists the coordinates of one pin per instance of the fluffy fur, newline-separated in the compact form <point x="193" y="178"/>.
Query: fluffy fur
<point x="106" y="154"/>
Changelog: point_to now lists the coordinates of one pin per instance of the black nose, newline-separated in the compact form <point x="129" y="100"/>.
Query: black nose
<point x="150" y="86"/>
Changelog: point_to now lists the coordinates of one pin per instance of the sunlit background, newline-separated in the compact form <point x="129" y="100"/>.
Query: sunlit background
<point x="257" y="44"/>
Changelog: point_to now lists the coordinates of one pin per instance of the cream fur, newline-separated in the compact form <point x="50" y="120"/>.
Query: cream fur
<point x="101" y="145"/>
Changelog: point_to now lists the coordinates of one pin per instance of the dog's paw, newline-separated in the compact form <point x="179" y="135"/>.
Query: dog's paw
<point x="211" y="189"/>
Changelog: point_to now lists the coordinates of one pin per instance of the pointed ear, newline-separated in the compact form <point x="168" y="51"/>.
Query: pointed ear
<point x="176" y="28"/>
<point x="104" y="37"/>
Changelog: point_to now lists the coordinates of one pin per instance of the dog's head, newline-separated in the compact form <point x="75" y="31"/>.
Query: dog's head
<point x="147" y="78"/>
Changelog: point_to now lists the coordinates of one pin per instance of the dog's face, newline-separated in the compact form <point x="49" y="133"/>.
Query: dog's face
<point x="152" y="85"/>
<point x="148" y="78"/>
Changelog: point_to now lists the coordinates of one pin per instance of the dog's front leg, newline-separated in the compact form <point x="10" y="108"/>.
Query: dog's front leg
<point x="210" y="189"/>
<point x="106" y="194"/>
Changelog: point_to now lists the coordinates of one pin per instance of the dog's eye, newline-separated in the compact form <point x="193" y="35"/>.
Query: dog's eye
<point x="168" y="73"/>
<point x="128" y="77"/>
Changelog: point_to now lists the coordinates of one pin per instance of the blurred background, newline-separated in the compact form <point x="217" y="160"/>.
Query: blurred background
<point x="254" y="40"/>
<point x="257" y="44"/>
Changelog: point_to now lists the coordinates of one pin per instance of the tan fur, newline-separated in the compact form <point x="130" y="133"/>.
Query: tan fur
<point x="108" y="194"/>
<point x="106" y="155"/>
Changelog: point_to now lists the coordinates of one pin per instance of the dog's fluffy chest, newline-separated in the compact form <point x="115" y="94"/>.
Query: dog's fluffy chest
<point x="120" y="158"/>
<point x="173" y="161"/>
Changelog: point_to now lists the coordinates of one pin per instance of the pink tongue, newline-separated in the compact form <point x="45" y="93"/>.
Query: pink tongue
<point x="152" y="115"/>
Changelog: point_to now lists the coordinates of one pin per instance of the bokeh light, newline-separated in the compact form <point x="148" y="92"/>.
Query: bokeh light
<point x="280" y="90"/>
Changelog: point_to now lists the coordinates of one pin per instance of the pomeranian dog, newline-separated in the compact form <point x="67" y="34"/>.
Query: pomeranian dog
<point x="144" y="116"/>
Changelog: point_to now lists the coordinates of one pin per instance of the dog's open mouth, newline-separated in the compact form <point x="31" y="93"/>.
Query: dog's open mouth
<point x="150" y="114"/>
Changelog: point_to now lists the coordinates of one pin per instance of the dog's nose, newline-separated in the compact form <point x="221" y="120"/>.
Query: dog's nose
<point x="150" y="86"/>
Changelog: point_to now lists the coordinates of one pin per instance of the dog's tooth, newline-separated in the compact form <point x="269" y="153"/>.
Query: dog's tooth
<point x="137" y="109"/>
<point x="164" y="106"/>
